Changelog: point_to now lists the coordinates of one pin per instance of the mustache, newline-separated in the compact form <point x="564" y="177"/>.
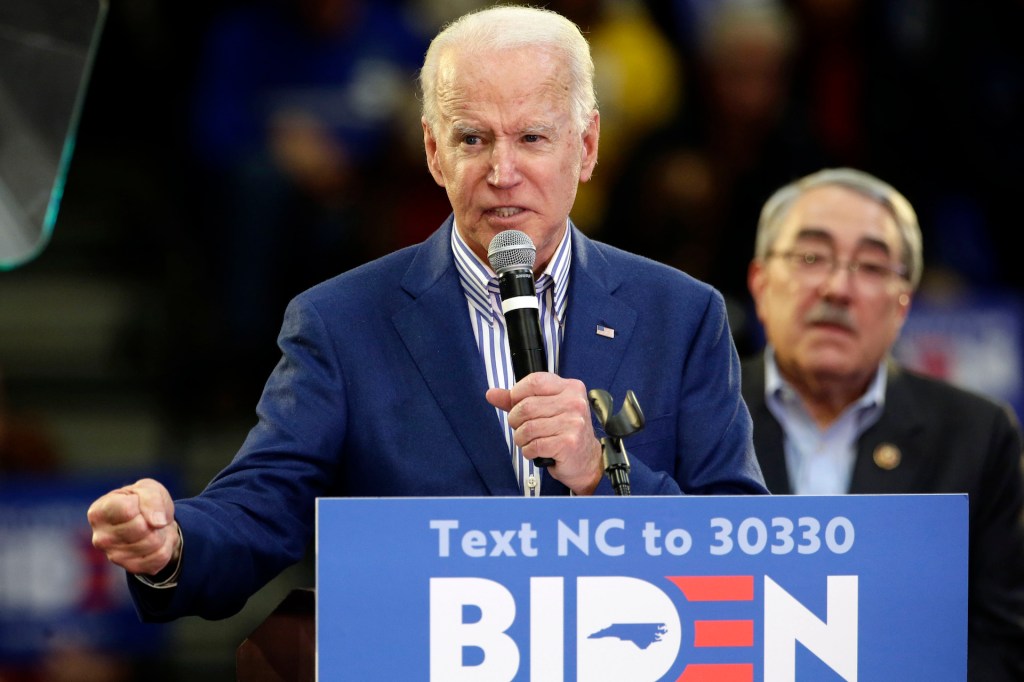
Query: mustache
<point x="827" y="313"/>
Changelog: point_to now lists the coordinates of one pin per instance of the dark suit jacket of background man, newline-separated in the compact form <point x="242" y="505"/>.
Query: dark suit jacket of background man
<point x="950" y="441"/>
<point x="380" y="392"/>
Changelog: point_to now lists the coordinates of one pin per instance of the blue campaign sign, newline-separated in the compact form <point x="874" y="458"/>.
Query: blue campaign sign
<point x="645" y="589"/>
<point x="57" y="592"/>
<point x="976" y="342"/>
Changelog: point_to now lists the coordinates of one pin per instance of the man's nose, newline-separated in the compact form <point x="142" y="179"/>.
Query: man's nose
<point x="504" y="169"/>
<point x="839" y="280"/>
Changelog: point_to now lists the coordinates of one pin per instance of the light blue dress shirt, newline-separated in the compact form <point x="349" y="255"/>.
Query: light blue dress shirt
<point x="820" y="461"/>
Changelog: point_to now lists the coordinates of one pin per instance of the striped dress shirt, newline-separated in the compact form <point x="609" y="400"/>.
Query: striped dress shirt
<point x="480" y="284"/>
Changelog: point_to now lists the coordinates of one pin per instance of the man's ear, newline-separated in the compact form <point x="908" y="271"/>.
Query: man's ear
<point x="590" y="139"/>
<point x="430" y="148"/>
<point x="755" y="278"/>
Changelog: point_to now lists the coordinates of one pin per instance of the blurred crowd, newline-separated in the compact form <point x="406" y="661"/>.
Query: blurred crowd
<point x="285" y="146"/>
<point x="238" y="151"/>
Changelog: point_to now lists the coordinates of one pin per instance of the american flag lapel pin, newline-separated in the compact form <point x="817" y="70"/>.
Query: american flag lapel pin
<point x="606" y="332"/>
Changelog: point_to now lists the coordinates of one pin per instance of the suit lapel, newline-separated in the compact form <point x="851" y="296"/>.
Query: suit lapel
<point x="768" y="436"/>
<point x="436" y="330"/>
<point x="889" y="459"/>
<point x="586" y="355"/>
<point x="768" y="444"/>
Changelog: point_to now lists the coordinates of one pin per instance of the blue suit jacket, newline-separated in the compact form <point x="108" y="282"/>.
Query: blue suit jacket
<point x="380" y="392"/>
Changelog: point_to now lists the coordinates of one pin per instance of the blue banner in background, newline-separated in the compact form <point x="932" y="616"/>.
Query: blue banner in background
<point x="975" y="342"/>
<point x="645" y="589"/>
<point x="57" y="592"/>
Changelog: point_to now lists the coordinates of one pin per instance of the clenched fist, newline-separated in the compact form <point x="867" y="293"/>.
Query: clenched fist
<point x="134" y="526"/>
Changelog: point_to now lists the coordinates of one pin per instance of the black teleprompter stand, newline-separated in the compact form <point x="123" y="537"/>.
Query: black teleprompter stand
<point x="625" y="422"/>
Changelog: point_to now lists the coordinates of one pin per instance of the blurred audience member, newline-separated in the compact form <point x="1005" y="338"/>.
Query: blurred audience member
<point x="640" y="85"/>
<point x="837" y="261"/>
<point x="690" y="192"/>
<point x="829" y="78"/>
<point x="26" y="447"/>
<point x="927" y="94"/>
<point x="28" y="451"/>
<point x="295" y="111"/>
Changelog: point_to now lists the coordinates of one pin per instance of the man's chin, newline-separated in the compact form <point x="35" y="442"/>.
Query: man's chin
<point x="832" y="365"/>
<point x="831" y="355"/>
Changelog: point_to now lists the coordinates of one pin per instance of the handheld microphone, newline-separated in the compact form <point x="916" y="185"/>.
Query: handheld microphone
<point x="512" y="254"/>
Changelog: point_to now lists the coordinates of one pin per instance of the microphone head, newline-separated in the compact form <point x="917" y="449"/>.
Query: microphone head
<point x="511" y="249"/>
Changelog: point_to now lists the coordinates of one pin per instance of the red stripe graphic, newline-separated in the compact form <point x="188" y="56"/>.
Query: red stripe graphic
<point x="723" y="633"/>
<point x="716" y="588"/>
<point x="721" y="672"/>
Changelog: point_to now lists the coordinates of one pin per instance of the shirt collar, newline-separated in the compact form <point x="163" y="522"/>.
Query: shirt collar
<point x="476" y="275"/>
<point x="777" y="391"/>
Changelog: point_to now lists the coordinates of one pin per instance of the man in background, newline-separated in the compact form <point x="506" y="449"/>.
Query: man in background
<point x="837" y="259"/>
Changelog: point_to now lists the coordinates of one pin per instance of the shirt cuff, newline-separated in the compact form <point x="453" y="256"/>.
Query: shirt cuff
<point x="168" y="576"/>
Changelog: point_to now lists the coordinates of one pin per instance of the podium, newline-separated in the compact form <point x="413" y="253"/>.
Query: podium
<point x="282" y="647"/>
<point x="682" y="589"/>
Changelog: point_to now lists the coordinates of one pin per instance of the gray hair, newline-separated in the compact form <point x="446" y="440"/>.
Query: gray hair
<point x="726" y="21"/>
<point x="777" y="207"/>
<point x="505" y="27"/>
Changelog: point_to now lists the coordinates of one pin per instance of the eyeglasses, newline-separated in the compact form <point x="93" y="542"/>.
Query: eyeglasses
<point x="814" y="267"/>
